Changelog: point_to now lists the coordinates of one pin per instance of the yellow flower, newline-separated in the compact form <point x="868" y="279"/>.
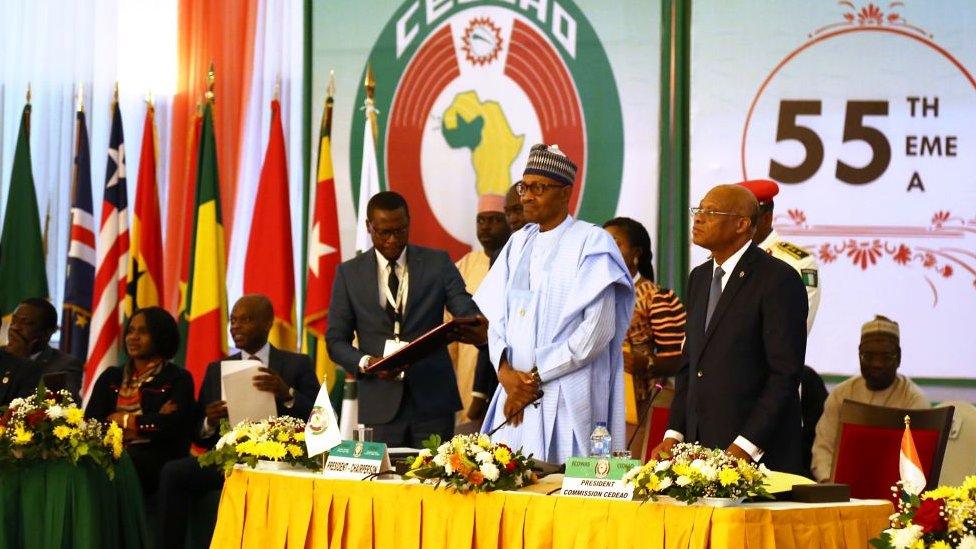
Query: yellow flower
<point x="942" y="492"/>
<point x="417" y="462"/>
<point x="969" y="485"/>
<point x="484" y="441"/>
<point x="62" y="432"/>
<point x="246" y="447"/>
<point x="728" y="477"/>
<point x="502" y="455"/>
<point x="295" y="450"/>
<point x="282" y="437"/>
<point x="300" y="436"/>
<point x="113" y="438"/>
<point x="21" y="436"/>
<point x="270" y="449"/>
<point x="2" y="430"/>
<point x="74" y="416"/>
<point x="682" y="469"/>
<point x="940" y="545"/>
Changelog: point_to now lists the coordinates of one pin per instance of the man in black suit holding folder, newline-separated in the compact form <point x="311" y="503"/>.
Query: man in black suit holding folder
<point x="746" y="340"/>
<point x="390" y="295"/>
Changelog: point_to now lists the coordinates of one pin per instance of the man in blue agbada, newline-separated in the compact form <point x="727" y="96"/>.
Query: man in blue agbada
<point x="558" y="301"/>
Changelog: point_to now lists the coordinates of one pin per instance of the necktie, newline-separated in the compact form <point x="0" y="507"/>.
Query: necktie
<point x="714" y="293"/>
<point x="393" y="283"/>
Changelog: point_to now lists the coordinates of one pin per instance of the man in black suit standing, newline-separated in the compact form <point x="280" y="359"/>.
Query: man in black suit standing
<point x="290" y="376"/>
<point x="394" y="293"/>
<point x="31" y="326"/>
<point x="746" y="341"/>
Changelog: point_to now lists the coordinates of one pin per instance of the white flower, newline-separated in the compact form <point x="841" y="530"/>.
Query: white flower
<point x="764" y="470"/>
<point x="629" y="475"/>
<point x="425" y="453"/>
<point x="489" y="471"/>
<point x="224" y="440"/>
<point x="968" y="542"/>
<point x="444" y="449"/>
<point x="483" y="457"/>
<point x="698" y="464"/>
<point x="709" y="472"/>
<point x="904" y="538"/>
<point x="16" y="402"/>
<point x="683" y="481"/>
<point x="54" y="412"/>
<point x="662" y="466"/>
<point x="440" y="459"/>
<point x="664" y="484"/>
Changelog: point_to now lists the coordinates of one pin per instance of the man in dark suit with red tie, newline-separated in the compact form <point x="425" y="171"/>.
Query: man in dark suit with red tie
<point x="745" y="345"/>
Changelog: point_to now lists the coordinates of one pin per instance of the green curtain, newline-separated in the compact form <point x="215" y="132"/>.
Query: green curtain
<point x="672" y="230"/>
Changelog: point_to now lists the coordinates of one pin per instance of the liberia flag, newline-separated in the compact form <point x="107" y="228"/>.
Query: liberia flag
<point x="104" y="342"/>
<point x="79" y="278"/>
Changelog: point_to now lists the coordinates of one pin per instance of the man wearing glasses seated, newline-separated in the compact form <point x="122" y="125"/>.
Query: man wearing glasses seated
<point x="558" y="299"/>
<point x="879" y="384"/>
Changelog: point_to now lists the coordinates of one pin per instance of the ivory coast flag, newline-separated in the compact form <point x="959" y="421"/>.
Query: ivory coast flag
<point x="268" y="265"/>
<point x="205" y="320"/>
<point x="145" y="281"/>
<point x="323" y="258"/>
<point x="909" y="466"/>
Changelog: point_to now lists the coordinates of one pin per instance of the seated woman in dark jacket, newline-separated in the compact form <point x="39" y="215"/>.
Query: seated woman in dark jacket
<point x="149" y="397"/>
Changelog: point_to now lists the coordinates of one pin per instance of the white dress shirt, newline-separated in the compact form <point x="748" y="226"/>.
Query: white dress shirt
<point x="728" y="267"/>
<point x="383" y="275"/>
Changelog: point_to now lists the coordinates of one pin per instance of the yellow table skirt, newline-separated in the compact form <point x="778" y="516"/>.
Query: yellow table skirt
<point x="268" y="510"/>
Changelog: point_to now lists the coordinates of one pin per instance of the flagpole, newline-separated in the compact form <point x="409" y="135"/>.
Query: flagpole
<point x="370" y="84"/>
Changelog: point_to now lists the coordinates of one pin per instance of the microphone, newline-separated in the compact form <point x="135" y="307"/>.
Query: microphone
<point x="658" y="387"/>
<point x="534" y="402"/>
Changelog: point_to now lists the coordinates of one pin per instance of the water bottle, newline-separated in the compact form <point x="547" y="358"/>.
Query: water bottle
<point x="600" y="441"/>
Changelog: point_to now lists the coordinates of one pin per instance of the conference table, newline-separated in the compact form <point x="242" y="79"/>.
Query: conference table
<point x="278" y="509"/>
<point x="61" y="504"/>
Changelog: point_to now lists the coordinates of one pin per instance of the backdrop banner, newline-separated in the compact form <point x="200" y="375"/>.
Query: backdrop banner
<point x="465" y="88"/>
<point x="865" y="113"/>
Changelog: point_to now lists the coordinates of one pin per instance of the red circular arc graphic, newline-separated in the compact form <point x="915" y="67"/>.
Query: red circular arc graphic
<point x="531" y="63"/>
<point x="809" y="43"/>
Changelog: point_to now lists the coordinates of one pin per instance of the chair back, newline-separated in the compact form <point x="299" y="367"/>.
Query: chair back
<point x="960" y="456"/>
<point x="869" y="443"/>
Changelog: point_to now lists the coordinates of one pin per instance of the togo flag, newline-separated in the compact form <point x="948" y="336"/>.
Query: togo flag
<point x="322" y="430"/>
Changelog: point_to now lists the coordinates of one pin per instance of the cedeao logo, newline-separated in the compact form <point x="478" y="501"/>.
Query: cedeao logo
<point x="464" y="89"/>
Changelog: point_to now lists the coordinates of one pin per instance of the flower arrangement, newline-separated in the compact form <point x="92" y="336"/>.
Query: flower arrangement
<point x="472" y="463"/>
<point x="937" y="519"/>
<point x="279" y="439"/>
<point x="696" y="472"/>
<point x="48" y="426"/>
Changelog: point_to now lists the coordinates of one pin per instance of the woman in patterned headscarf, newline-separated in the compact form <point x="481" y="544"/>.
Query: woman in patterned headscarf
<point x="149" y="397"/>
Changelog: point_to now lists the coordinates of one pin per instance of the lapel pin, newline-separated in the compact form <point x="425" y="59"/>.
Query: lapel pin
<point x="742" y="274"/>
<point x="5" y="379"/>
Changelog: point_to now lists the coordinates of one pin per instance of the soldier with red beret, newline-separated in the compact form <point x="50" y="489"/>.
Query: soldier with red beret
<point x="768" y="239"/>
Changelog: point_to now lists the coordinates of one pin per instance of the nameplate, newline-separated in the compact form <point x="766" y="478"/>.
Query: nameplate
<point x="598" y="478"/>
<point x="353" y="460"/>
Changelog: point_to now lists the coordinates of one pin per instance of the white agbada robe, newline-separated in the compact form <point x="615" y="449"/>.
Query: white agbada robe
<point x="561" y="301"/>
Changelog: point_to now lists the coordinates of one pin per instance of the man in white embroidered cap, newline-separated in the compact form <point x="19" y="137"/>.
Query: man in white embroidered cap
<point x="558" y="300"/>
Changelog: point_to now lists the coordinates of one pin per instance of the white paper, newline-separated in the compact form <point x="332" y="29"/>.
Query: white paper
<point x="243" y="400"/>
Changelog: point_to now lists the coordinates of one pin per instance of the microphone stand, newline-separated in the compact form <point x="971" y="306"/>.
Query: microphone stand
<point x="658" y="387"/>
<point x="534" y="402"/>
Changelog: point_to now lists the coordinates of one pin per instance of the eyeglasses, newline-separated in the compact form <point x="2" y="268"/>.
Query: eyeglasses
<point x="698" y="210"/>
<point x="386" y="234"/>
<point x="536" y="189"/>
<point x="885" y="357"/>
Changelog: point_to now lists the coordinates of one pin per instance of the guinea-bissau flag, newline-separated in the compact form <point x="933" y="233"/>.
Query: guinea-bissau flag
<point x="323" y="258"/>
<point x="203" y="325"/>
<point x="269" y="267"/>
